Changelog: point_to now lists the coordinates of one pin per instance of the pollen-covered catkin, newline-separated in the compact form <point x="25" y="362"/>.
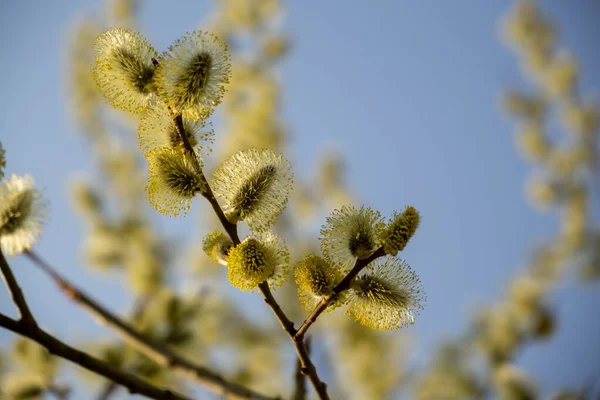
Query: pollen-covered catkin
<point x="255" y="185"/>
<point x="387" y="295"/>
<point x="260" y="257"/>
<point x="249" y="264"/>
<point x="22" y="214"/>
<point x="124" y="70"/>
<point x="315" y="279"/>
<point x="158" y="129"/>
<point x="173" y="180"/>
<point x="350" y="234"/>
<point x="399" y="230"/>
<point x="191" y="76"/>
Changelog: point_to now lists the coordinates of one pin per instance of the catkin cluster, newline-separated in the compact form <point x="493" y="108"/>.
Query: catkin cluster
<point x="176" y="92"/>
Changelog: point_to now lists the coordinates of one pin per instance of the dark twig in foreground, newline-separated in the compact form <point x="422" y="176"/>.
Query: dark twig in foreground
<point x="153" y="349"/>
<point x="27" y="326"/>
<point x="341" y="287"/>
<point x="110" y="388"/>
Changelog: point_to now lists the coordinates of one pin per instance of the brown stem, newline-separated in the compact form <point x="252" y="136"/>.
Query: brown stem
<point x="15" y="292"/>
<point x="28" y="327"/>
<point x="299" y="378"/>
<point x="153" y="349"/>
<point x="308" y="367"/>
<point x="341" y="287"/>
<point x="206" y="191"/>
<point x="57" y="348"/>
<point x="139" y="305"/>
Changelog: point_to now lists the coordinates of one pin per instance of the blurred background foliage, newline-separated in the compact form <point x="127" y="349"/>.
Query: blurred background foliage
<point x="181" y="297"/>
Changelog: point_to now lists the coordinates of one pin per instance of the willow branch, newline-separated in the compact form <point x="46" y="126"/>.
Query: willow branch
<point x="139" y="305"/>
<point x="308" y="368"/>
<point x="60" y="349"/>
<point x="206" y="191"/>
<point x="150" y="347"/>
<point x="299" y="378"/>
<point x="341" y="287"/>
<point x="28" y="327"/>
<point x="15" y="292"/>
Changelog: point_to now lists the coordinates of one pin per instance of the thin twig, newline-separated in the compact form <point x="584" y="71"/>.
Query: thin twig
<point x="153" y="349"/>
<point x="139" y="305"/>
<point x="341" y="287"/>
<point x="308" y="368"/>
<point x="28" y="327"/>
<point x="299" y="378"/>
<point x="60" y="349"/>
<point x="15" y="292"/>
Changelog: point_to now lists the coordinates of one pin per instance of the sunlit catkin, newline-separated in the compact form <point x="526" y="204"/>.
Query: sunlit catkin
<point x="124" y="69"/>
<point x="158" y="129"/>
<point x="350" y="234"/>
<point x="173" y="180"/>
<point x="192" y="74"/>
<point x="387" y="295"/>
<point x="217" y="245"/>
<point x="260" y="257"/>
<point x="255" y="185"/>
<point x="22" y="214"/>
<point x="399" y="230"/>
<point x="315" y="279"/>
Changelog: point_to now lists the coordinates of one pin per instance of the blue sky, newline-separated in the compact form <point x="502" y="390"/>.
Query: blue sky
<point x="408" y="91"/>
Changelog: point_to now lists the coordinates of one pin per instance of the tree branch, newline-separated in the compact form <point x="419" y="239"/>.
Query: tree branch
<point x="139" y="305"/>
<point x="299" y="378"/>
<point x="55" y="347"/>
<point x="28" y="327"/>
<point x="153" y="349"/>
<point x="15" y="292"/>
<point x="341" y="287"/>
<point x="206" y="191"/>
<point x="308" y="367"/>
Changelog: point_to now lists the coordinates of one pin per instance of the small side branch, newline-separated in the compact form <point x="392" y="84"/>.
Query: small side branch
<point x="231" y="228"/>
<point x="140" y="304"/>
<point x="341" y="287"/>
<point x="27" y="326"/>
<point x="153" y="349"/>
<point x="60" y="349"/>
<point x="15" y="291"/>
